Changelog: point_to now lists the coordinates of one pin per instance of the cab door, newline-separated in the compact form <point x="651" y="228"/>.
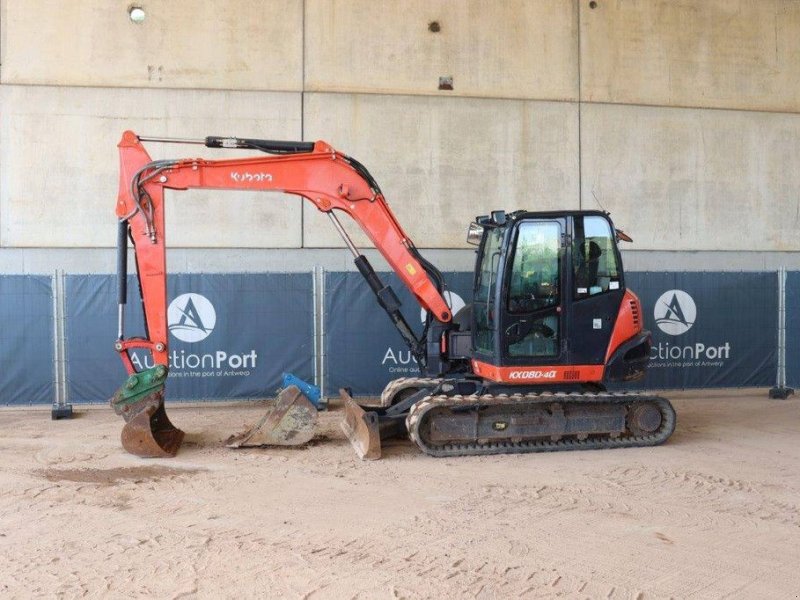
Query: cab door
<point x="596" y="290"/>
<point x="532" y="322"/>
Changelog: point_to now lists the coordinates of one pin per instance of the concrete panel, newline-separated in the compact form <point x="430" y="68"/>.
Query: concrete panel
<point x="510" y="49"/>
<point x="59" y="164"/>
<point x="694" y="179"/>
<point x="237" y="44"/>
<point x="441" y="162"/>
<point x="704" y="53"/>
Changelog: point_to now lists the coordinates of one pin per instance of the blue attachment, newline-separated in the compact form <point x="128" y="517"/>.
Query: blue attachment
<point x="312" y="392"/>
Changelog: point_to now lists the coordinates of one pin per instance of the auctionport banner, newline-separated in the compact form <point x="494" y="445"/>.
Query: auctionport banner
<point x="710" y="329"/>
<point x="230" y="335"/>
<point x="26" y="340"/>
<point x="363" y="350"/>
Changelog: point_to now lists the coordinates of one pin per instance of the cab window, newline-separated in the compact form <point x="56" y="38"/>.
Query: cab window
<point x="536" y="266"/>
<point x="485" y="286"/>
<point x="534" y="291"/>
<point x="594" y="258"/>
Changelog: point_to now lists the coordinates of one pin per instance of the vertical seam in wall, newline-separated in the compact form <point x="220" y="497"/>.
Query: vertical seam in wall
<point x="3" y="50"/>
<point x="580" y="108"/>
<point x="303" y="113"/>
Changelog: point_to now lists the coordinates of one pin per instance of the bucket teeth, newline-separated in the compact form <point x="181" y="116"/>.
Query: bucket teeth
<point x="361" y="428"/>
<point x="290" y="421"/>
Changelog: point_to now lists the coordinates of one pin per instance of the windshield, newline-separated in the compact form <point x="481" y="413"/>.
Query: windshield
<point x="536" y="267"/>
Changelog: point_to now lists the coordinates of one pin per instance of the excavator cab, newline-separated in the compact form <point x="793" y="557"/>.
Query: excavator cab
<point x="546" y="300"/>
<point x="524" y="368"/>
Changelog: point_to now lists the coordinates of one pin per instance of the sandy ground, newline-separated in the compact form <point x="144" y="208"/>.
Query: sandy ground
<point x="711" y="514"/>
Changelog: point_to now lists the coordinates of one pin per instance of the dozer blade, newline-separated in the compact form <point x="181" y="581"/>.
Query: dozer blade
<point x="361" y="428"/>
<point x="289" y="421"/>
<point x="148" y="431"/>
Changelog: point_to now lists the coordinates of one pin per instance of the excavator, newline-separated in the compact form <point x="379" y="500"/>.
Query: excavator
<point x="523" y="367"/>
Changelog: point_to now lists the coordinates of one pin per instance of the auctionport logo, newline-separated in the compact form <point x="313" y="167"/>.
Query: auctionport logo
<point x="675" y="312"/>
<point x="191" y="317"/>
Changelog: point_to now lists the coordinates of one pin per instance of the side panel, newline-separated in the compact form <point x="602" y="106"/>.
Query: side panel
<point x="539" y="374"/>
<point x="591" y="324"/>
<point x="628" y="323"/>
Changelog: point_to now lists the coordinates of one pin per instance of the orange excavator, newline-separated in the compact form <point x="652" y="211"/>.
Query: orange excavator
<point x="523" y="367"/>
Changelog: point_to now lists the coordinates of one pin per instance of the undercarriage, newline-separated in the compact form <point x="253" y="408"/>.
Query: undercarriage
<point x="443" y="420"/>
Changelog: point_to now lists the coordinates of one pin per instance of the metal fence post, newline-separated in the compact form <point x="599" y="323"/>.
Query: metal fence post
<point x="61" y="409"/>
<point x="319" y="332"/>
<point x="780" y="390"/>
<point x="56" y="370"/>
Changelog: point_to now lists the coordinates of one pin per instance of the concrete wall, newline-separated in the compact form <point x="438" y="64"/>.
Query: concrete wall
<point x="238" y="44"/>
<point x="510" y="49"/>
<point x="442" y="161"/>
<point x="741" y="54"/>
<point x="60" y="169"/>
<point x="693" y="179"/>
<point x="554" y="104"/>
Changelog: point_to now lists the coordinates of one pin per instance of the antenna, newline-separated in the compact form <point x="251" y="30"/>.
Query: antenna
<point x="598" y="202"/>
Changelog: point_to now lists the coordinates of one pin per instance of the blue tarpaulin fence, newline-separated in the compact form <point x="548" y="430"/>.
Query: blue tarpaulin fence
<point x="233" y="335"/>
<point x="363" y="350"/>
<point x="27" y="373"/>
<point x="793" y="329"/>
<point x="729" y="338"/>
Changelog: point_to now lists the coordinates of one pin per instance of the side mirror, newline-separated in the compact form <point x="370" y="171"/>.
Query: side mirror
<point x="622" y="236"/>
<point x="474" y="234"/>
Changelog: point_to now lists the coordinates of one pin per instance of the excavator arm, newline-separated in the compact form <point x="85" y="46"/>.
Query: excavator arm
<point x="328" y="179"/>
<point x="315" y="171"/>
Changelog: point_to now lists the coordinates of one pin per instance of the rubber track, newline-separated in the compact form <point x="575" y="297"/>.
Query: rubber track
<point x="422" y="409"/>
<point x="397" y="385"/>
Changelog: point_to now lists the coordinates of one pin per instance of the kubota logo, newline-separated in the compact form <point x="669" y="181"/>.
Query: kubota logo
<point x="532" y="375"/>
<point x="675" y="312"/>
<point x="191" y="317"/>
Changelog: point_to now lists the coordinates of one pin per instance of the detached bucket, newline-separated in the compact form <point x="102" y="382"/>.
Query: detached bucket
<point x="288" y="422"/>
<point x="148" y="431"/>
<point x="361" y="428"/>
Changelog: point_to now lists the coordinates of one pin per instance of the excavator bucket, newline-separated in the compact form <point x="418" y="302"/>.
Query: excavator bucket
<point x="289" y="421"/>
<point x="148" y="431"/>
<point x="361" y="428"/>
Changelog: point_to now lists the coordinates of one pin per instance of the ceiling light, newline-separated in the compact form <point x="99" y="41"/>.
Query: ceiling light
<point x="136" y="14"/>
